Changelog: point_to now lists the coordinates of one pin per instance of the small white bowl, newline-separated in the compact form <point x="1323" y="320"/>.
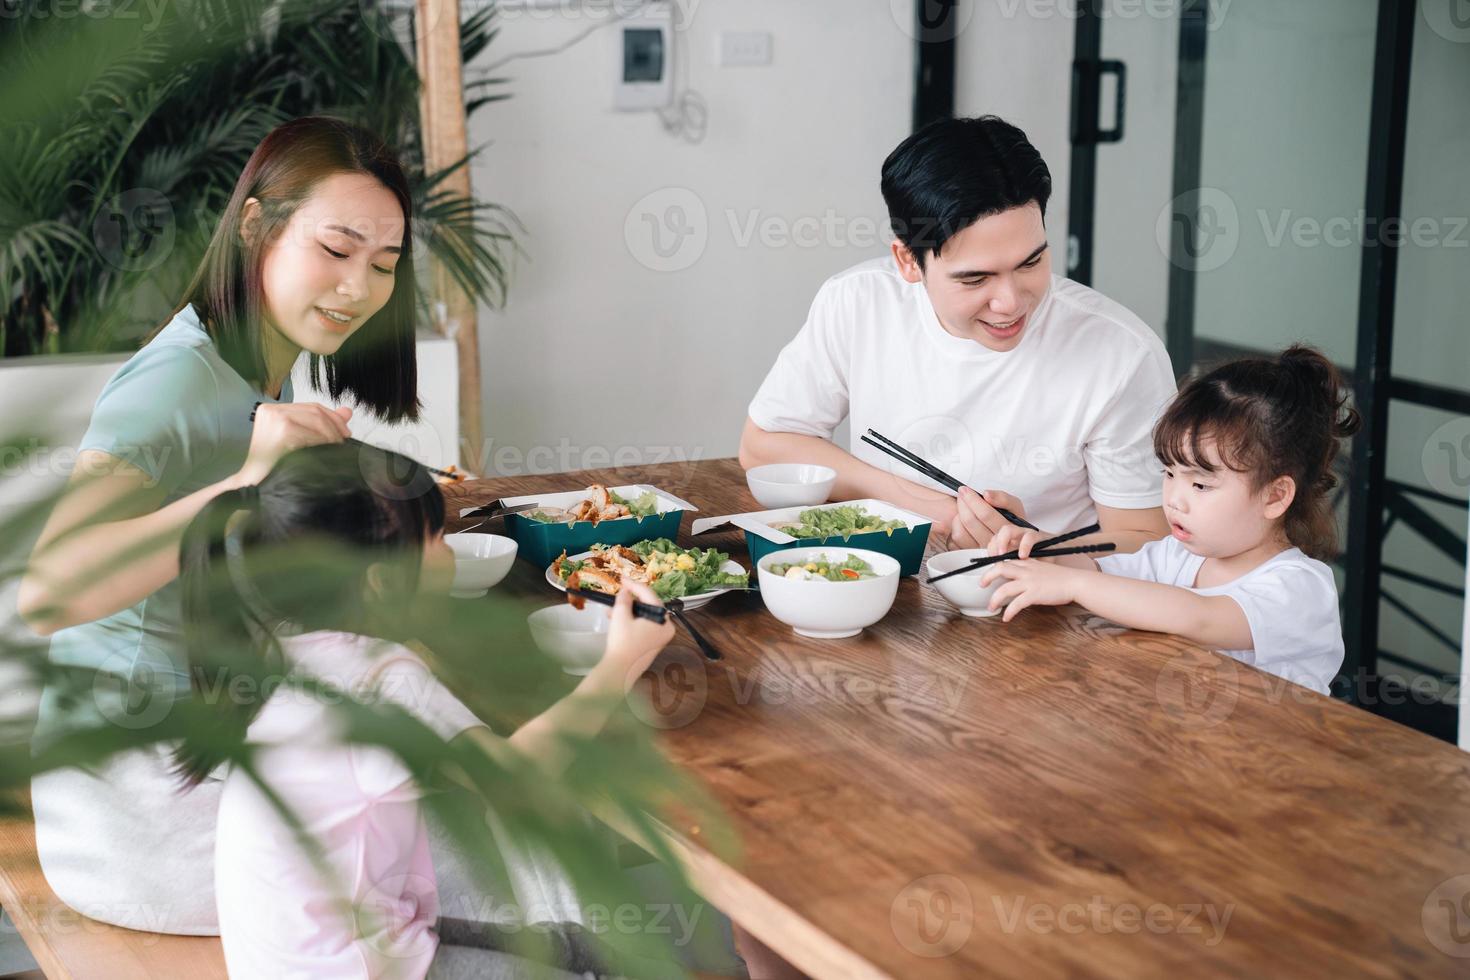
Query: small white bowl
<point x="790" y="484"/>
<point x="480" y="562"/>
<point x="828" y="610"/>
<point x="964" y="591"/>
<point x="575" y="637"/>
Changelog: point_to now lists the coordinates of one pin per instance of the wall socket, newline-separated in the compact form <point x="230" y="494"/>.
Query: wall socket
<point x="745" y="48"/>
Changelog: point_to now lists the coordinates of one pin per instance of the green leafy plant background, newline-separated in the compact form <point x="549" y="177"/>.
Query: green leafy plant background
<point x="167" y="104"/>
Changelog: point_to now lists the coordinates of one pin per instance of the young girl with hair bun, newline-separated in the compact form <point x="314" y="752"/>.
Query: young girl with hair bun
<point x="1247" y="451"/>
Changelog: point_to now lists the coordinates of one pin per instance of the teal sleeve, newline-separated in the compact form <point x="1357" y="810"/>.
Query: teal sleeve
<point x="160" y="413"/>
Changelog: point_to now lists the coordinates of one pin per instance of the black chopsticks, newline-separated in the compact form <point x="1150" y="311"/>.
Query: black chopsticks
<point x="1081" y="549"/>
<point x="451" y="477"/>
<point x="676" y="608"/>
<point x="932" y="472"/>
<point x="1039" y="546"/>
<point x="643" y="610"/>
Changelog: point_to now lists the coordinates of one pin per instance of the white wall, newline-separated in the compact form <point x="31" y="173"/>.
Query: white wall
<point x="49" y="399"/>
<point x="434" y="438"/>
<point x="597" y="352"/>
<point x="1016" y="65"/>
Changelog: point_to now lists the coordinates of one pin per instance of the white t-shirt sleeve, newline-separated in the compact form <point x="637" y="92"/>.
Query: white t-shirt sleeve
<point x="806" y="391"/>
<point x="1157" y="561"/>
<point x="1295" y="631"/>
<point x="1122" y="470"/>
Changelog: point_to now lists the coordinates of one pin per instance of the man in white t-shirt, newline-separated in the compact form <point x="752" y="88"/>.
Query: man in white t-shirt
<point x="964" y="348"/>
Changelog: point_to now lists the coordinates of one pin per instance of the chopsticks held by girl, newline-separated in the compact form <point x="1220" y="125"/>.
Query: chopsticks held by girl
<point x="1247" y="451"/>
<point x="253" y="613"/>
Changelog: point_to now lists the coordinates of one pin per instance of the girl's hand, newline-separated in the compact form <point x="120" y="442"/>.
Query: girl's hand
<point x="280" y="429"/>
<point x="1013" y="538"/>
<point x="1032" y="583"/>
<point x="633" y="642"/>
<point x="976" y="518"/>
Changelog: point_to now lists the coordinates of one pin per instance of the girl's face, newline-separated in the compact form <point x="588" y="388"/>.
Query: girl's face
<point x="988" y="279"/>
<point x="1221" y="514"/>
<point x="331" y="268"/>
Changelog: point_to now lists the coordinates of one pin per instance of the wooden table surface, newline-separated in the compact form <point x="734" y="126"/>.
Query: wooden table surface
<point x="953" y="797"/>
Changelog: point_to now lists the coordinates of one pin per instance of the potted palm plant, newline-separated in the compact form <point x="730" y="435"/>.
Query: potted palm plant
<point x="125" y="129"/>
<point x="125" y="126"/>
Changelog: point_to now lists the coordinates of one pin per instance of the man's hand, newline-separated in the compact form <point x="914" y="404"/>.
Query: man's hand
<point x="1017" y="539"/>
<point x="1031" y="583"/>
<point x="977" y="521"/>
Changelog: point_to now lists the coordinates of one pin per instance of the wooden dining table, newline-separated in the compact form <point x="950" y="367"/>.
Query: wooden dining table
<point x="948" y="796"/>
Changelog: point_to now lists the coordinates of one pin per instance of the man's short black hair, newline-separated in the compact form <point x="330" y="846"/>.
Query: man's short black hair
<point x="954" y="172"/>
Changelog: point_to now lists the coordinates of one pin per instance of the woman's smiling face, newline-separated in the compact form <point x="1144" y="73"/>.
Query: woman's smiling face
<point x="331" y="268"/>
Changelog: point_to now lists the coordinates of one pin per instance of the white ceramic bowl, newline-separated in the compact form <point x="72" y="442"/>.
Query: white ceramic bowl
<point x="575" y="637"/>
<point x="828" y="610"/>
<point x="480" y="562"/>
<point x="790" y="484"/>
<point x="964" y="591"/>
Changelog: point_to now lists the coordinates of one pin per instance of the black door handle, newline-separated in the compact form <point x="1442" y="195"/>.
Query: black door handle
<point x="1119" y="71"/>
<point x="1087" y="98"/>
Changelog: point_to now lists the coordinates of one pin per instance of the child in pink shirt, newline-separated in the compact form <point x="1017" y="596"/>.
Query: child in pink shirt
<point x="373" y="914"/>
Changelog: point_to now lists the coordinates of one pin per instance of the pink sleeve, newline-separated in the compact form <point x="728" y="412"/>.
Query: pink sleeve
<point x="408" y="682"/>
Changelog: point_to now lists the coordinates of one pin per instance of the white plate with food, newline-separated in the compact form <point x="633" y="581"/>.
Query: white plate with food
<point x="695" y="575"/>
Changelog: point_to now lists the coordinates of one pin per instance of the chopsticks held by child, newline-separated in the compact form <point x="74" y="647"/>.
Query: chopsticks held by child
<point x="1247" y="451"/>
<point x="290" y="589"/>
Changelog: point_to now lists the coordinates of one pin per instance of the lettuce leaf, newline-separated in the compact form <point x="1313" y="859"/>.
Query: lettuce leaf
<point x="645" y="506"/>
<point x="840" y="521"/>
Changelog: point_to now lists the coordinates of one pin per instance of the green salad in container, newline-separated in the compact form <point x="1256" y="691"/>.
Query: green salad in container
<point x="831" y="522"/>
<point x="601" y="504"/>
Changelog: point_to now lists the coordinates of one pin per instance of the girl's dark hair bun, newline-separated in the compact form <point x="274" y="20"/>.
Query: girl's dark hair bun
<point x="1313" y="368"/>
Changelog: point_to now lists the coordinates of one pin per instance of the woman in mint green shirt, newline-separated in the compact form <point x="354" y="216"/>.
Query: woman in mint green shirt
<point x="311" y="254"/>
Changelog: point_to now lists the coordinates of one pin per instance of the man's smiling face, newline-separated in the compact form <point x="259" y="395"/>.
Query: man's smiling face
<point x="989" y="278"/>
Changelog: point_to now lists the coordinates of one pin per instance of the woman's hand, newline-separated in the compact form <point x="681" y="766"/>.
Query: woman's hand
<point x="280" y="429"/>
<point x="977" y="520"/>
<point x="633" y="642"/>
<point x="1031" y="583"/>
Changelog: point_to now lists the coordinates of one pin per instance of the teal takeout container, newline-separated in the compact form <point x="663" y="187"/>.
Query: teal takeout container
<point x="906" y="545"/>
<point x="542" y="543"/>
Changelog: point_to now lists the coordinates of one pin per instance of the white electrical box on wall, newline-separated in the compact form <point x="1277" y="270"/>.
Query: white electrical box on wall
<point x="645" y="60"/>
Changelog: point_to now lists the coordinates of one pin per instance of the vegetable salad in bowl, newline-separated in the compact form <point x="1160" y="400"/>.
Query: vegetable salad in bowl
<point x="851" y="569"/>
